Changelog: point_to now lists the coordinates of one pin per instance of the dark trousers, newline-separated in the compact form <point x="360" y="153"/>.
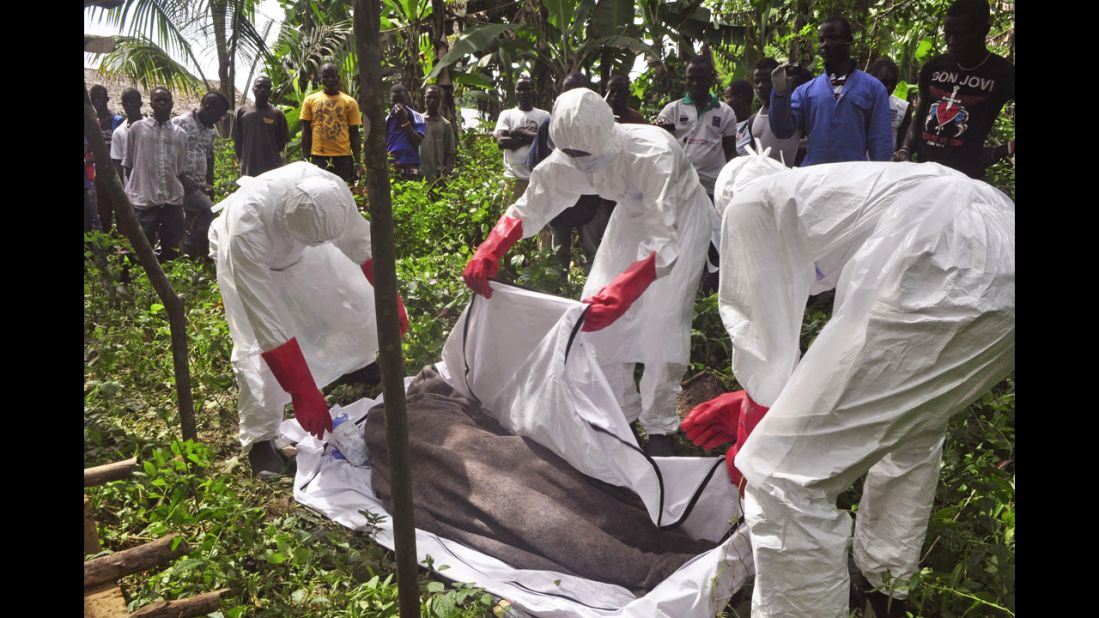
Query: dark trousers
<point x="104" y="205"/>
<point x="710" y="279"/>
<point x="91" y="216"/>
<point x="166" y="222"/>
<point x="591" y="234"/>
<point x="197" y="219"/>
<point x="344" y="167"/>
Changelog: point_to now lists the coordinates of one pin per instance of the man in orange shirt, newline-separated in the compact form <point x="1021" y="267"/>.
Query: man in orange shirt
<point x="330" y="127"/>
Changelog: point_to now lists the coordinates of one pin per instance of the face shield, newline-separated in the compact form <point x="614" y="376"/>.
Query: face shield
<point x="316" y="210"/>
<point x="581" y="120"/>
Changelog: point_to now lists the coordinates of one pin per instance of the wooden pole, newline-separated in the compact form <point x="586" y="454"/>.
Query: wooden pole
<point x="109" y="568"/>
<point x="91" y="536"/>
<point x="199" y="605"/>
<point x="109" y="472"/>
<point x="367" y="24"/>
<point x="173" y="304"/>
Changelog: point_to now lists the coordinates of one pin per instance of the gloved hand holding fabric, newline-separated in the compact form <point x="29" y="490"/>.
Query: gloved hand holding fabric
<point x="714" y="422"/>
<point x="402" y="315"/>
<point x="751" y="413"/>
<point x="615" y="298"/>
<point x="726" y="418"/>
<point x="485" y="262"/>
<point x="288" y="366"/>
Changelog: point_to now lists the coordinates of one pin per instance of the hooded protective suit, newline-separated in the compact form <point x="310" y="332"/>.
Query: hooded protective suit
<point x="923" y="262"/>
<point x="661" y="209"/>
<point x="281" y="278"/>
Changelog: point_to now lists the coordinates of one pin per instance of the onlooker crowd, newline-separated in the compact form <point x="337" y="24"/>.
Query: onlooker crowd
<point x="842" y="114"/>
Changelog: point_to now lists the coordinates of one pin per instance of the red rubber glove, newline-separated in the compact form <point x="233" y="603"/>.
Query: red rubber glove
<point x="402" y="316"/>
<point x="485" y="262"/>
<point x="616" y="297"/>
<point x="293" y="375"/>
<point x="713" y="423"/>
<point x="751" y="413"/>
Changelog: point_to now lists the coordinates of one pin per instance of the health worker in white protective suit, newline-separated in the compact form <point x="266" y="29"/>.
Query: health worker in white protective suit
<point x="922" y="259"/>
<point x="642" y="283"/>
<point x="292" y="251"/>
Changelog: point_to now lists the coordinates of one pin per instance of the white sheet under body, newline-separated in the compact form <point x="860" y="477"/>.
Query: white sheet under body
<point x="527" y="359"/>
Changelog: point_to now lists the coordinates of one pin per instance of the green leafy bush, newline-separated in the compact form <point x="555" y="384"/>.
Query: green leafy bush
<point x="279" y="559"/>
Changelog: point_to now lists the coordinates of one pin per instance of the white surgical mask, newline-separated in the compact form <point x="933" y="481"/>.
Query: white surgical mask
<point x="592" y="163"/>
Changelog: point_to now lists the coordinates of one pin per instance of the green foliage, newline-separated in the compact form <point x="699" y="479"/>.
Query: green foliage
<point x="129" y="397"/>
<point x="279" y="559"/>
<point x="226" y="163"/>
<point x="275" y="560"/>
<point x="968" y="563"/>
<point x="1002" y="174"/>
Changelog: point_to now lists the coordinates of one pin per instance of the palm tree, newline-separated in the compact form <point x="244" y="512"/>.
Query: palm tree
<point x="157" y="47"/>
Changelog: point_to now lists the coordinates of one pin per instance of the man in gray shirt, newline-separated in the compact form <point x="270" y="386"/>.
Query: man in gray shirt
<point x="437" y="147"/>
<point x="784" y="149"/>
<point x="156" y="158"/>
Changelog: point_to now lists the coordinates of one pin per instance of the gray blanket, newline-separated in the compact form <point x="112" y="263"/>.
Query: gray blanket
<point x="512" y="498"/>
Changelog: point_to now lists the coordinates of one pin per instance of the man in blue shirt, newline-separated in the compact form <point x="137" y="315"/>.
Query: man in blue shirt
<point x="404" y="130"/>
<point x="844" y="112"/>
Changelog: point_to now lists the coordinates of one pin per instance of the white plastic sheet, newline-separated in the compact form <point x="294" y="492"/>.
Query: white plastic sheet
<point x="521" y="353"/>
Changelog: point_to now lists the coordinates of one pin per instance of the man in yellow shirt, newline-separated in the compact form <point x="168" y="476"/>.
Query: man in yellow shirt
<point x="330" y="122"/>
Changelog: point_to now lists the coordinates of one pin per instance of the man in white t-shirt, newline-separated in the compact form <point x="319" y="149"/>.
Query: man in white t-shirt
<point x="703" y="124"/>
<point x="131" y="104"/>
<point x="900" y="112"/>
<point x="515" y="130"/>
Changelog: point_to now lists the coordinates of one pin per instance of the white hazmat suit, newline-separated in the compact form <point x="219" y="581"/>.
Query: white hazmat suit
<point x="923" y="262"/>
<point x="288" y="250"/>
<point x="661" y="209"/>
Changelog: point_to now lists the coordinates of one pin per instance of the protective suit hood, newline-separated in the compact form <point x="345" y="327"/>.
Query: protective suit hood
<point x="315" y="210"/>
<point x="582" y="120"/>
<point x="740" y="172"/>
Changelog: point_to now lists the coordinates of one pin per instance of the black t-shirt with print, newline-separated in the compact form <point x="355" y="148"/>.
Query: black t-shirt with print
<point x="963" y="105"/>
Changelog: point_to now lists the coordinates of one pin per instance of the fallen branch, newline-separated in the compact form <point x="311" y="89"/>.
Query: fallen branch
<point x="183" y="608"/>
<point x="110" y="568"/>
<point x="109" y="472"/>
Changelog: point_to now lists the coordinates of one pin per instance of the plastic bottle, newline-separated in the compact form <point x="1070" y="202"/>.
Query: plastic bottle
<point x="348" y="442"/>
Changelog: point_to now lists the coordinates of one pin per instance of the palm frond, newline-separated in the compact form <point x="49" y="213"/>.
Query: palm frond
<point x="164" y="23"/>
<point x="143" y="61"/>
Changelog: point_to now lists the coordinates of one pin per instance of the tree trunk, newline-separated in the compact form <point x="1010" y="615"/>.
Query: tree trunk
<point x="109" y="568"/>
<point x="218" y="10"/>
<point x="544" y="87"/>
<point x="109" y="472"/>
<point x="183" y="608"/>
<point x="606" y="65"/>
<point x="91" y="536"/>
<point x="448" y="108"/>
<point x="367" y="24"/>
<point x="411" y="73"/>
<point x="801" y="53"/>
<point x="173" y="304"/>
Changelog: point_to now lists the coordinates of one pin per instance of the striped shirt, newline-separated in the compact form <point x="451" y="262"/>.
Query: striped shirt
<point x="157" y="155"/>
